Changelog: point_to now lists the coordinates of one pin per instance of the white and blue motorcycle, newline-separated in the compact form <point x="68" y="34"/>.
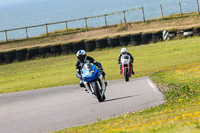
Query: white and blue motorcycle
<point x="94" y="81"/>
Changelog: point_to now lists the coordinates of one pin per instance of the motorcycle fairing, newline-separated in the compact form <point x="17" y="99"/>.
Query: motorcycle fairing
<point x="90" y="73"/>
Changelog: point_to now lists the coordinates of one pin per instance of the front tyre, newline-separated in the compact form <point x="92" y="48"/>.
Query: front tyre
<point x="104" y="97"/>
<point x="126" y="75"/>
<point x="97" y="92"/>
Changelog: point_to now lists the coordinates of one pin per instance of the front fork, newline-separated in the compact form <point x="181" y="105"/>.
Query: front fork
<point x="129" y="69"/>
<point x="123" y="69"/>
<point x="101" y="83"/>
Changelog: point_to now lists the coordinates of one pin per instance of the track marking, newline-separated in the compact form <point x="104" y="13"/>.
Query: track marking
<point x="154" y="88"/>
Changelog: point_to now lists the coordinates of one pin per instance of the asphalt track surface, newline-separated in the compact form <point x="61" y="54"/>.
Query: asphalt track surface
<point x="51" y="109"/>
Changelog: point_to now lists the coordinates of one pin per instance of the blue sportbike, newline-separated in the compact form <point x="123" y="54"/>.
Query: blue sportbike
<point x="94" y="81"/>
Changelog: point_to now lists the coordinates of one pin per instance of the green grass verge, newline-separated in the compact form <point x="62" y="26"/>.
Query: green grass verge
<point x="181" y="113"/>
<point x="58" y="71"/>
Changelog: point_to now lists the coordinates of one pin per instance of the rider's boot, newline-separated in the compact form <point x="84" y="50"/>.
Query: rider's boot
<point x="132" y="69"/>
<point x="106" y="84"/>
<point x="120" y="69"/>
<point x="103" y="74"/>
<point x="82" y="85"/>
<point x="133" y="72"/>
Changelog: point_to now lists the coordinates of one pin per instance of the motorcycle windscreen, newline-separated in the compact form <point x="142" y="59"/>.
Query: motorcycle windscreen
<point x="125" y="57"/>
<point x="88" y="66"/>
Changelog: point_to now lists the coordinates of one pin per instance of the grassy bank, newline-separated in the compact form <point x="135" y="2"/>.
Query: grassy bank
<point x="180" y="113"/>
<point x="58" y="71"/>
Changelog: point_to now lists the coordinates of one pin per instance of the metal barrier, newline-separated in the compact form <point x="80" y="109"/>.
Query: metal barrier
<point x="67" y="21"/>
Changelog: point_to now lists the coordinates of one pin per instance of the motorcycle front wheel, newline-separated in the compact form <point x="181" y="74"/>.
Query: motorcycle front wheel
<point x="126" y="75"/>
<point x="97" y="92"/>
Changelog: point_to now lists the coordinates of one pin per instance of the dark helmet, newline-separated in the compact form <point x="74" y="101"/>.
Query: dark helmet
<point x="81" y="55"/>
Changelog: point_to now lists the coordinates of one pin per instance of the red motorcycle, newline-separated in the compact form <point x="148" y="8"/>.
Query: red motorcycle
<point x="126" y="67"/>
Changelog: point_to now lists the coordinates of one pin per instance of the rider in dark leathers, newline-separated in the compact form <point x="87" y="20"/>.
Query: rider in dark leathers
<point x="82" y="58"/>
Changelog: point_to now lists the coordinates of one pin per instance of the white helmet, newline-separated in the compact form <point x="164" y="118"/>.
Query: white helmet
<point x="81" y="55"/>
<point x="124" y="51"/>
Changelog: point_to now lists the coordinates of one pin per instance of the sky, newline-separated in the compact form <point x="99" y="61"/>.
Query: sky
<point x="16" y="2"/>
<point x="8" y="2"/>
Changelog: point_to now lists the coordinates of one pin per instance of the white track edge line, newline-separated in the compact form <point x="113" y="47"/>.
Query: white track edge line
<point x="154" y="88"/>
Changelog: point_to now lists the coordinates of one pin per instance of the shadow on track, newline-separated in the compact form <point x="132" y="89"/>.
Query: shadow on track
<point x="120" y="98"/>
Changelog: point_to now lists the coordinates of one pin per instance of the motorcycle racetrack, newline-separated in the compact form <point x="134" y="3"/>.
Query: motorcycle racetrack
<point x="52" y="109"/>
